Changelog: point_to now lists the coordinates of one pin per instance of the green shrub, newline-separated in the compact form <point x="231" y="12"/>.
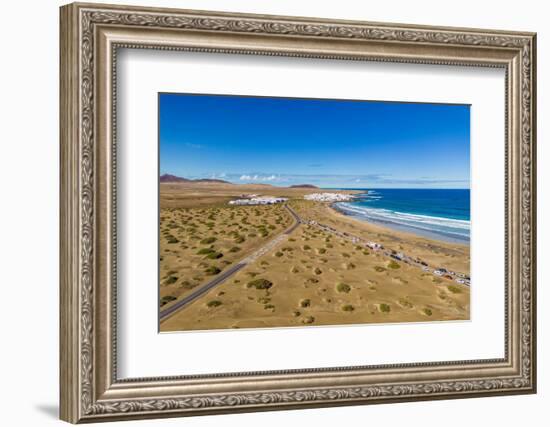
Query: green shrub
<point x="234" y="249"/>
<point x="343" y="287"/>
<point x="208" y="240"/>
<point x="213" y="303"/>
<point x="260" y="284"/>
<point x="171" y="280"/>
<point x="394" y="265"/>
<point x="212" y="270"/>
<point x="305" y="303"/>
<point x="171" y="239"/>
<point x="384" y="308"/>
<point x="427" y="311"/>
<point x="214" y="255"/>
<point x="205" y="251"/>
<point x="279" y="254"/>
<point x="166" y="299"/>
<point x="346" y="255"/>
<point x="269" y="307"/>
<point x="317" y="271"/>
<point x="306" y="247"/>
<point x="322" y="251"/>
<point x="348" y="307"/>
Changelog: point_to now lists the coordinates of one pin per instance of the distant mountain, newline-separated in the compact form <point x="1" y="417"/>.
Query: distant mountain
<point x="168" y="178"/>
<point x="303" y="186"/>
<point x="172" y="178"/>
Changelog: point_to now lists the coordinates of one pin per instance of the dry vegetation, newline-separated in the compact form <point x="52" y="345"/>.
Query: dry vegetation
<point x="198" y="243"/>
<point x="311" y="278"/>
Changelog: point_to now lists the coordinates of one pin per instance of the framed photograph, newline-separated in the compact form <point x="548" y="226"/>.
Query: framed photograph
<point x="265" y="212"/>
<point x="286" y="233"/>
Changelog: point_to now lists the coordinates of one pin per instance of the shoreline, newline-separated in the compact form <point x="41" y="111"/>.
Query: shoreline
<point x="453" y="255"/>
<point x="395" y="227"/>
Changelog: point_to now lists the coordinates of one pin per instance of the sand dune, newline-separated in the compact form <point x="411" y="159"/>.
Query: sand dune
<point x="311" y="277"/>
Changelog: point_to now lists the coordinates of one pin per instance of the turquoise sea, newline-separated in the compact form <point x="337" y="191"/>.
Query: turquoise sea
<point x="442" y="214"/>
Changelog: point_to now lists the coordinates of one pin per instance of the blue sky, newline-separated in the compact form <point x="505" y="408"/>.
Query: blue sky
<point x="328" y="143"/>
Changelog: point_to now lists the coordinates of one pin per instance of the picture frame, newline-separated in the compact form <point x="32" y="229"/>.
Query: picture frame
<point x="91" y="34"/>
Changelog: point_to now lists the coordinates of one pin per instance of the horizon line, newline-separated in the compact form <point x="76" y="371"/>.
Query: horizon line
<point x="305" y="183"/>
<point x="317" y="186"/>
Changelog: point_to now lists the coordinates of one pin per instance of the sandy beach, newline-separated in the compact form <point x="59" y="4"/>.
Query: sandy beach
<point x="307" y="277"/>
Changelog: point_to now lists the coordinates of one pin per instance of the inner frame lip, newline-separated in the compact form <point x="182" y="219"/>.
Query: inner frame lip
<point x="340" y="370"/>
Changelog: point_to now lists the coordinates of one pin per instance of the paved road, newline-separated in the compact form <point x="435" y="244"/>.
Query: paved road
<point x="165" y="314"/>
<point x="226" y="274"/>
<point x="296" y="218"/>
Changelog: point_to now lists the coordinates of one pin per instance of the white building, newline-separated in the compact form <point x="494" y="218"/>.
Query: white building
<point x="266" y="200"/>
<point x="328" y="197"/>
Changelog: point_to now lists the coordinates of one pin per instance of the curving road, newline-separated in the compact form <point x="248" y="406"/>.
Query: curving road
<point x="296" y="218"/>
<point x="226" y="274"/>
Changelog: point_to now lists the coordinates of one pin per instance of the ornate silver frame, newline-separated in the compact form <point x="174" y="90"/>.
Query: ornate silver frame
<point x="90" y="36"/>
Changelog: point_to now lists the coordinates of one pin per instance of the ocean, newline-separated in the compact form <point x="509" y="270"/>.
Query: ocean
<point x="433" y="213"/>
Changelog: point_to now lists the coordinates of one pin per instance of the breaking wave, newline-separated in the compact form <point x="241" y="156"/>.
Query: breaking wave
<point x="431" y="226"/>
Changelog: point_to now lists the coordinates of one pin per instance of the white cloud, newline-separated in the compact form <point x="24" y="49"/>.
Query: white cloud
<point x="218" y="175"/>
<point x="261" y="178"/>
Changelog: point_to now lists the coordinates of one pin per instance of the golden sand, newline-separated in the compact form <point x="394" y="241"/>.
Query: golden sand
<point x="314" y="277"/>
